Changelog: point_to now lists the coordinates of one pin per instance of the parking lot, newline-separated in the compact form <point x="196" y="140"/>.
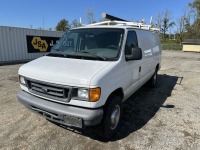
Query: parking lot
<point x="166" y="117"/>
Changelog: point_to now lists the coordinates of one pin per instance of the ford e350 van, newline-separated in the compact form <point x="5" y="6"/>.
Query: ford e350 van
<point x="90" y="72"/>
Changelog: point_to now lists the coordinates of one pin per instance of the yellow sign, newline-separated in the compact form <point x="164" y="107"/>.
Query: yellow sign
<point x="39" y="44"/>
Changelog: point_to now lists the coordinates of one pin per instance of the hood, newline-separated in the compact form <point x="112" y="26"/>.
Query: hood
<point x="64" y="71"/>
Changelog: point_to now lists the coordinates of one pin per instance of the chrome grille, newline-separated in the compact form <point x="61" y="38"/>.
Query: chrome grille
<point x="51" y="91"/>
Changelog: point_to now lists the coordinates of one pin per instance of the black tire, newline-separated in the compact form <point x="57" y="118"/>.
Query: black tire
<point x="112" y="117"/>
<point x="153" y="80"/>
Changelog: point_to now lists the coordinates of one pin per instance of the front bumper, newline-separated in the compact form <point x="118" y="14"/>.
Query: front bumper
<point x="61" y="113"/>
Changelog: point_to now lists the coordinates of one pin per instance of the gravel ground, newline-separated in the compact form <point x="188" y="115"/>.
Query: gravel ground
<point x="166" y="117"/>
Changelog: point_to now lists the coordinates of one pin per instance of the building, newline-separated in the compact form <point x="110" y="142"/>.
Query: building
<point x="191" y="45"/>
<point x="21" y="44"/>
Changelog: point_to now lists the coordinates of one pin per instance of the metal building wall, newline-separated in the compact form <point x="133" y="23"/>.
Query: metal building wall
<point x="13" y="44"/>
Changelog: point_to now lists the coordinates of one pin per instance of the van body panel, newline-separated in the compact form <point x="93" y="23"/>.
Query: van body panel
<point x="64" y="71"/>
<point x="109" y="79"/>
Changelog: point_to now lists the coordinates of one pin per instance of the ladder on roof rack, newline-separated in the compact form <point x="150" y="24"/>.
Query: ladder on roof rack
<point x="118" y="21"/>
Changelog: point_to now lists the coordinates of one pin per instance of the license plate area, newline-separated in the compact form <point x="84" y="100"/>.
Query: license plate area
<point x="62" y="119"/>
<point x="73" y="121"/>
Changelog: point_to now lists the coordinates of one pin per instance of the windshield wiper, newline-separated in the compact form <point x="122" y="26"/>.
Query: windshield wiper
<point x="96" y="56"/>
<point x="57" y="54"/>
<point x="61" y="53"/>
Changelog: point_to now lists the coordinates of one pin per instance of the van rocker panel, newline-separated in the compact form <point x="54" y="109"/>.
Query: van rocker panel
<point x="90" y="117"/>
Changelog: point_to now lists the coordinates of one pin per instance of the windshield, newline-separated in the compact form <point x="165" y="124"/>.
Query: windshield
<point x="98" y="43"/>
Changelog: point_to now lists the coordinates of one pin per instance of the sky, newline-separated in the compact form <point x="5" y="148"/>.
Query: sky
<point x="47" y="13"/>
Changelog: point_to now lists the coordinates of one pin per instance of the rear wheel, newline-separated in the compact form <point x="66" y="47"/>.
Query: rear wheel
<point x="112" y="116"/>
<point x="153" y="80"/>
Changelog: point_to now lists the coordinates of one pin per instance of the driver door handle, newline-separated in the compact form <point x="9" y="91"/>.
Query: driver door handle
<point x="140" y="69"/>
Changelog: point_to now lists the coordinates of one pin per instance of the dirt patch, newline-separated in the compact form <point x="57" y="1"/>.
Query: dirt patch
<point x="14" y="78"/>
<point x="166" y="117"/>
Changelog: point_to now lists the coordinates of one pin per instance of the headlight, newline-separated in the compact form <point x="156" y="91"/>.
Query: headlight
<point x="83" y="93"/>
<point x="91" y="95"/>
<point x="22" y="80"/>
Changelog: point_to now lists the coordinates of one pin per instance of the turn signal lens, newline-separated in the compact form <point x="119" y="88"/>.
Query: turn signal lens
<point x="95" y="94"/>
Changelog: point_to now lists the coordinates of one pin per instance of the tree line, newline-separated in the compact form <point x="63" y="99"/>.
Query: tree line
<point x="187" y="25"/>
<point x="64" y="25"/>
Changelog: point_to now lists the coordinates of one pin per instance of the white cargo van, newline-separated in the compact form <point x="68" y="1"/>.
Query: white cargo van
<point x="90" y="72"/>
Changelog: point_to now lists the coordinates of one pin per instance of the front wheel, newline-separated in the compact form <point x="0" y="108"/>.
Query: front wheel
<point x="112" y="116"/>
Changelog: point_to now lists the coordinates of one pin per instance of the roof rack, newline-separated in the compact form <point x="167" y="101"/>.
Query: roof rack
<point x="112" y="20"/>
<point x="126" y="23"/>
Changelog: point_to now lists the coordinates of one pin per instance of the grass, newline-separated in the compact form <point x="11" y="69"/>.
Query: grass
<point x="172" y="46"/>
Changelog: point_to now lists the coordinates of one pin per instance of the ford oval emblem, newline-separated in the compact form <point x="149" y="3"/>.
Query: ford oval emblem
<point x="44" y="90"/>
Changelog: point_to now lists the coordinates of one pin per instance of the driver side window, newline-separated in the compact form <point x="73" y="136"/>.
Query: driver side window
<point x="131" y="42"/>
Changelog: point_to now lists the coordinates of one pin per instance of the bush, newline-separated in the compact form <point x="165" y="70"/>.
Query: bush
<point x="176" y="41"/>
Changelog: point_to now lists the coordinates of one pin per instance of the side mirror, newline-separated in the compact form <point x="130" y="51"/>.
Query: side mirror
<point x="136" y="54"/>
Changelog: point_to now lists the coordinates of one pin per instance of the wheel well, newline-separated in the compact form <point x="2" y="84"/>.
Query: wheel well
<point x="157" y="67"/>
<point x="118" y="92"/>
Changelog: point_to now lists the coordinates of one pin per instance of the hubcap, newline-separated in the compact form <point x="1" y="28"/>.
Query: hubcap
<point x="115" y="115"/>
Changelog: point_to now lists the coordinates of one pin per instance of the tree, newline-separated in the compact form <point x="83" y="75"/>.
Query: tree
<point x="193" y="31"/>
<point x="62" y="25"/>
<point x="183" y="23"/>
<point x="181" y="27"/>
<point x="163" y="21"/>
<point x="192" y="27"/>
<point x="196" y="6"/>
<point x="166" y="22"/>
<point x="158" y="20"/>
<point x="75" y="24"/>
